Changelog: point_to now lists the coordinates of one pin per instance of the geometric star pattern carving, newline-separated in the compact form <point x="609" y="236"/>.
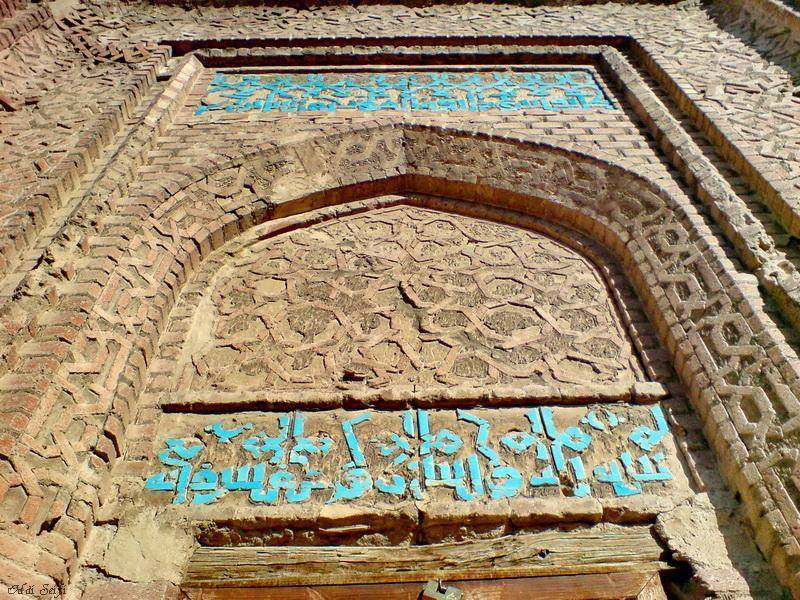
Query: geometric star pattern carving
<point x="408" y="297"/>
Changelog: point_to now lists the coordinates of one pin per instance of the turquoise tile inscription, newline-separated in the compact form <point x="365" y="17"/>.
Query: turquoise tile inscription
<point x="416" y="457"/>
<point x="435" y="91"/>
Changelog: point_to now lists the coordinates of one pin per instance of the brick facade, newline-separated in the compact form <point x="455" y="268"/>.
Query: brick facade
<point x="120" y="202"/>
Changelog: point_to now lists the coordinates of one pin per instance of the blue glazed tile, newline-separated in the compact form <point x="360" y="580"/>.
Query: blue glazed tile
<point x="419" y="91"/>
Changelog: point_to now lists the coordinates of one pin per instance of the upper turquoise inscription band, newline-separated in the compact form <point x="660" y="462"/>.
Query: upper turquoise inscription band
<point x="436" y="91"/>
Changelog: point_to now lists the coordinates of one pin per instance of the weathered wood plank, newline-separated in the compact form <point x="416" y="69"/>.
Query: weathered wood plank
<point x="617" y="586"/>
<point x="653" y="590"/>
<point x="599" y="549"/>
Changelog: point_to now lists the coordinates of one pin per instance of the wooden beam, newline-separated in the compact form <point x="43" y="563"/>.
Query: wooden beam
<point x="601" y="549"/>
<point x="653" y="590"/>
<point x="607" y="586"/>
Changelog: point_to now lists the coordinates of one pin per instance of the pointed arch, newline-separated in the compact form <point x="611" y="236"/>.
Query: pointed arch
<point x="742" y="378"/>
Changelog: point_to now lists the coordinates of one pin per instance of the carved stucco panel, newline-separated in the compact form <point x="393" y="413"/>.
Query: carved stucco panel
<point x="404" y="297"/>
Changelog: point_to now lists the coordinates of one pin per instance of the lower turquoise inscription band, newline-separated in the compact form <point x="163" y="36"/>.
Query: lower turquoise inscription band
<point x="619" y="451"/>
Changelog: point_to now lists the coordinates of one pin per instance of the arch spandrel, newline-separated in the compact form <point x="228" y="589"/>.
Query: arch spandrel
<point x="404" y="297"/>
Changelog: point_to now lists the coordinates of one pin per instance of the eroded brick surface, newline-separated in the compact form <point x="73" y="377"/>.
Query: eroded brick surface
<point x="114" y="192"/>
<point x="350" y="300"/>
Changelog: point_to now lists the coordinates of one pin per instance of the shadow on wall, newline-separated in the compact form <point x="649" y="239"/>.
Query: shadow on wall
<point x="769" y="27"/>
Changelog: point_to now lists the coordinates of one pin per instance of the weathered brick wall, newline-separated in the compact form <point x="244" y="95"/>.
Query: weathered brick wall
<point x="729" y="92"/>
<point x="98" y="152"/>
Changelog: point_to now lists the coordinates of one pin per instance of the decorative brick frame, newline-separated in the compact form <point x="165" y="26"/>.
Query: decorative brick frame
<point x="729" y="355"/>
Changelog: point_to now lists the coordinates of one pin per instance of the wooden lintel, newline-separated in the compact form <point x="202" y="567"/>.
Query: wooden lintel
<point x="599" y="549"/>
<point x="600" y="586"/>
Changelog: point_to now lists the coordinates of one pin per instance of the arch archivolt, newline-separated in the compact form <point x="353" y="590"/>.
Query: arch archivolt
<point x="739" y="374"/>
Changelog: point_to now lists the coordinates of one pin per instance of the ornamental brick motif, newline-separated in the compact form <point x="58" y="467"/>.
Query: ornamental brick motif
<point x="126" y="216"/>
<point x="404" y="297"/>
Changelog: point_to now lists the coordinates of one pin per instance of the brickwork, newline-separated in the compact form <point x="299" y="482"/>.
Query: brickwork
<point x="114" y="193"/>
<point x="345" y="153"/>
<point x="727" y="101"/>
